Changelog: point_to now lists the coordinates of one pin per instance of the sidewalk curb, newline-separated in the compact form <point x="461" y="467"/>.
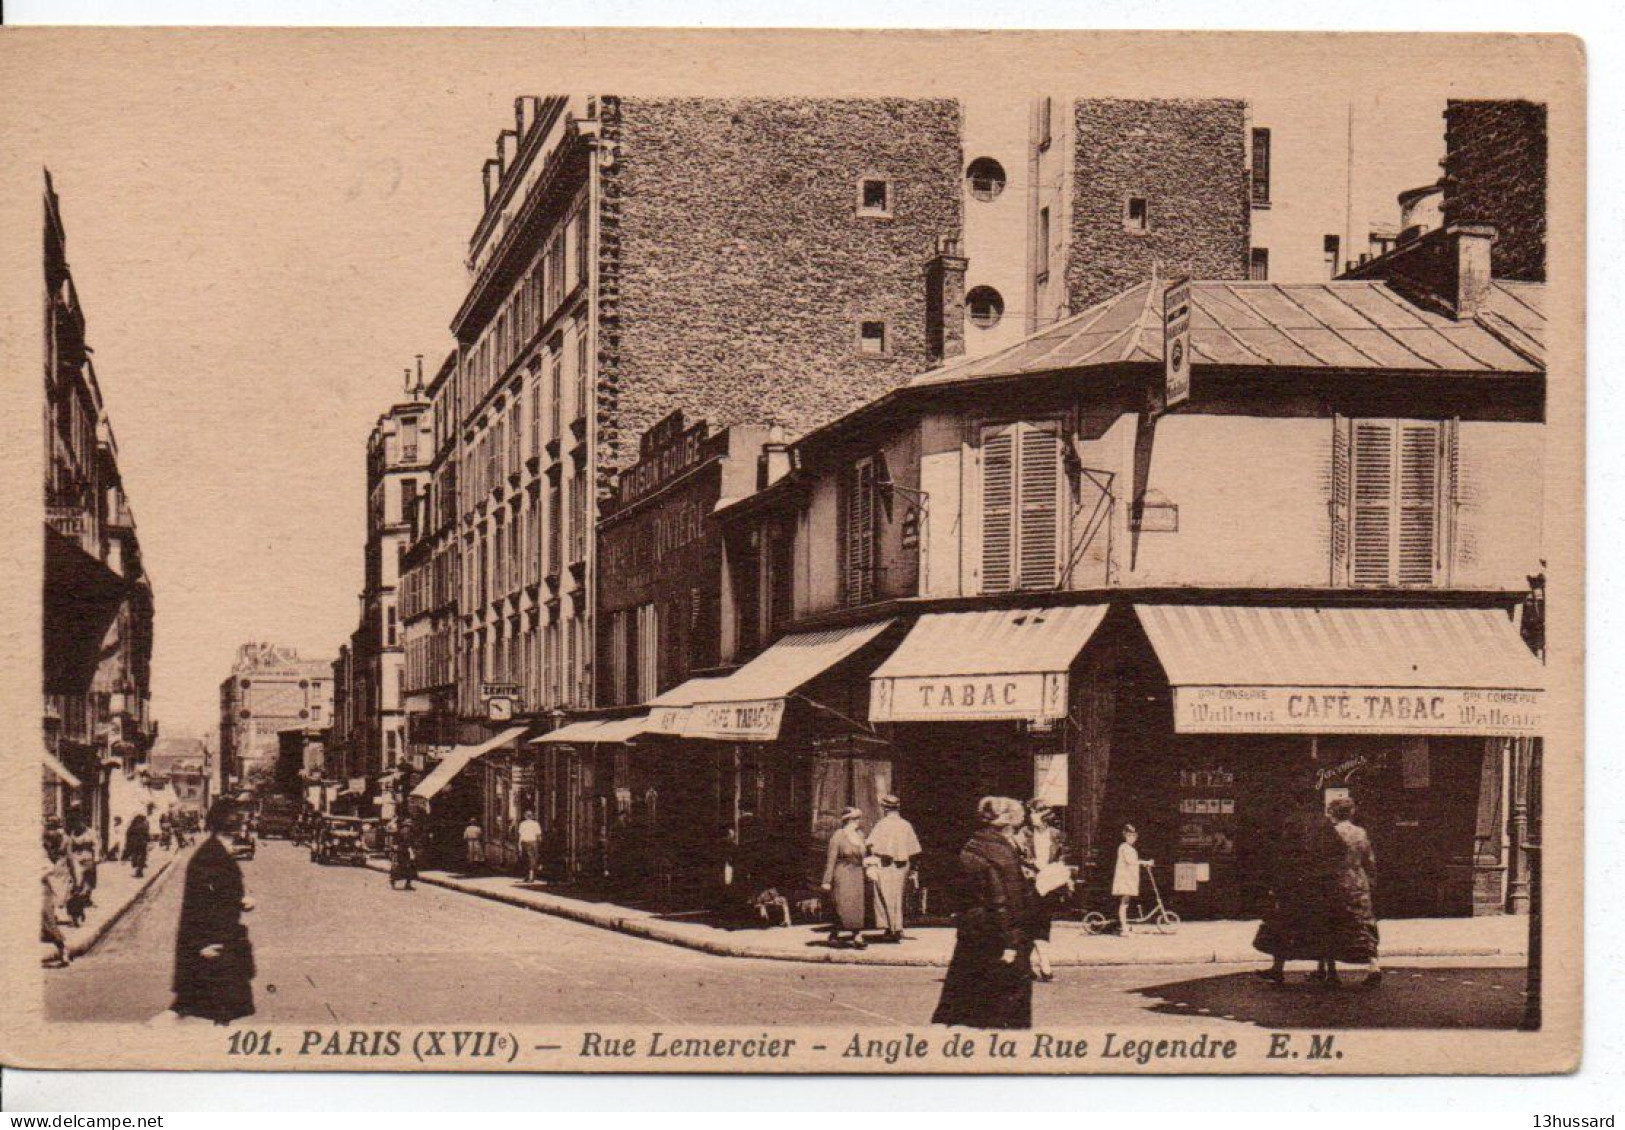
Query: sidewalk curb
<point x="659" y="932"/>
<point x="79" y="949"/>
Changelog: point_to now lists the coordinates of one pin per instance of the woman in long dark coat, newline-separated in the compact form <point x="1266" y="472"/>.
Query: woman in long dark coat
<point x="1351" y="918"/>
<point x="1294" y="923"/>
<point x="214" y="962"/>
<point x="403" y="855"/>
<point x="989" y="983"/>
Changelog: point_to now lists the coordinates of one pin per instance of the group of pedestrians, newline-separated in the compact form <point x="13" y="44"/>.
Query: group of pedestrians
<point x="874" y="869"/>
<point x="72" y="868"/>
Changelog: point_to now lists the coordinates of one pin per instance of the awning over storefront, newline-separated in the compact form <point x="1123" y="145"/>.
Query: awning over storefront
<point x="748" y="705"/>
<point x="983" y="666"/>
<point x="459" y="759"/>
<point x="1434" y="671"/>
<point x="596" y="730"/>
<point x="668" y="712"/>
<point x="60" y="770"/>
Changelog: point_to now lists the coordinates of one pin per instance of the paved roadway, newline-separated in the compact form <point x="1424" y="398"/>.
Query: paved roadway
<point x="334" y="945"/>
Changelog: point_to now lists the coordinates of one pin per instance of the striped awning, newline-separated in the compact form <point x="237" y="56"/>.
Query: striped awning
<point x="1441" y="671"/>
<point x="983" y="666"/>
<point x="459" y="759"/>
<point x="748" y="705"/>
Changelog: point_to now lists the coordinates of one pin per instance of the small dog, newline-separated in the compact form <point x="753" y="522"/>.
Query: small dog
<point x="772" y="907"/>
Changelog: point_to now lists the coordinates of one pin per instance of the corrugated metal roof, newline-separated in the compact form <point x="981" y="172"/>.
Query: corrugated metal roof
<point x="788" y="664"/>
<point x="993" y="642"/>
<point x="1468" y="648"/>
<point x="1344" y="324"/>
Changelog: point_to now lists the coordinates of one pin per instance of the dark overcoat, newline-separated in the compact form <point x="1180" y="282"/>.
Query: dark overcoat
<point x="1348" y="864"/>
<point x="219" y="988"/>
<point x="1295" y="925"/>
<point x="980" y="990"/>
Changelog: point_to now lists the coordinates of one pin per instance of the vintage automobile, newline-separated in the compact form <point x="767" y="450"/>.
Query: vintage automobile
<point x="277" y="814"/>
<point x="339" y="839"/>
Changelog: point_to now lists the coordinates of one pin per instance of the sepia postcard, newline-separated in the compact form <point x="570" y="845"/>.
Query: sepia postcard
<point x="792" y="551"/>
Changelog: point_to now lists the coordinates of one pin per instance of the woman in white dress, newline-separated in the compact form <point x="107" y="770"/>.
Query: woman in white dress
<point x="1126" y="878"/>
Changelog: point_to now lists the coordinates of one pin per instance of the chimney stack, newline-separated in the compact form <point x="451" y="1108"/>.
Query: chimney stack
<point x="1469" y="248"/>
<point x="945" y="301"/>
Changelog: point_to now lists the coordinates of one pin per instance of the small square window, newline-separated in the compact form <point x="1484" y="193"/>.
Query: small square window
<point x="1136" y="215"/>
<point x="872" y="338"/>
<point x="874" y="197"/>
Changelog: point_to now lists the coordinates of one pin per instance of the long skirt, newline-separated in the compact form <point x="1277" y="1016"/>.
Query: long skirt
<point x="846" y="896"/>
<point x="220" y="989"/>
<point x="890" y="883"/>
<point x="980" y="991"/>
<point x="1351" y="920"/>
<point x="403" y="866"/>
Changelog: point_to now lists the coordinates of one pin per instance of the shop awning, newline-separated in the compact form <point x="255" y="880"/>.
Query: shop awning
<point x="1433" y="671"/>
<point x="983" y="666"/>
<point x="459" y="759"/>
<point x="61" y="770"/>
<point x="596" y="730"/>
<point x="668" y="713"/>
<point x="748" y="705"/>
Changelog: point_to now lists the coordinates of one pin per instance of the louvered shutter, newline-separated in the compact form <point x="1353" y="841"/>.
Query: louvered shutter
<point x="1038" y="494"/>
<point x="998" y="509"/>
<point x="861" y="535"/>
<point x="1340" y="500"/>
<point x="1373" y="525"/>
<point x="1417" y="553"/>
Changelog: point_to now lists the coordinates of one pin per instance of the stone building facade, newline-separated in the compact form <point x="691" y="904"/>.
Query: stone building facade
<point x="270" y="689"/>
<point x="1495" y="173"/>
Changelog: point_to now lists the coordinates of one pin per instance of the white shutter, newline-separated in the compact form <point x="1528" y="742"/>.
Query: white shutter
<point x="1373" y="525"/>
<point x="1038" y="537"/>
<point x="1418" y="503"/>
<point x="998" y="508"/>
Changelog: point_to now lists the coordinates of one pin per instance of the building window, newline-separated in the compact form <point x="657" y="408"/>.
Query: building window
<point x="872" y="338"/>
<point x="1332" y="246"/>
<point x="985" y="306"/>
<point x="1021" y="506"/>
<point x="1261" y="168"/>
<point x="859" y="520"/>
<point x="1041" y="252"/>
<point x="389" y="636"/>
<point x="1046" y="110"/>
<point x="1136" y="215"/>
<point x="1391" y="482"/>
<point x="1259" y="268"/>
<point x="986" y="178"/>
<point x="874" y="197"/>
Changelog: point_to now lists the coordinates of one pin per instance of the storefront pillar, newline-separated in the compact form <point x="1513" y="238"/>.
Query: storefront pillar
<point x="1490" y="831"/>
<point x="1518" y="880"/>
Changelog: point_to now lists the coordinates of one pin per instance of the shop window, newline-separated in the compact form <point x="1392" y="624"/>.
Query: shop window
<point x="986" y="178"/>
<point x="1021" y="506"/>
<point x="859" y="532"/>
<point x="985" y="306"/>
<point x="1392" y="482"/>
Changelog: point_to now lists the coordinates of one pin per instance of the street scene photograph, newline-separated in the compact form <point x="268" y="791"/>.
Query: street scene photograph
<point x="552" y="571"/>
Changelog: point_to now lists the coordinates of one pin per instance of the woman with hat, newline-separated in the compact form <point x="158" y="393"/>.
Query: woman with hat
<point x="989" y="984"/>
<point x="843" y="880"/>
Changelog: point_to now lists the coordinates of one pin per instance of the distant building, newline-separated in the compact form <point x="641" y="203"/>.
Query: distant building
<point x="270" y="689"/>
<point x="98" y="603"/>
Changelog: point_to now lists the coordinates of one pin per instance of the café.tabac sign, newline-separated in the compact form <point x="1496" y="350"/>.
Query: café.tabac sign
<point x="1357" y="710"/>
<point x="756" y="721"/>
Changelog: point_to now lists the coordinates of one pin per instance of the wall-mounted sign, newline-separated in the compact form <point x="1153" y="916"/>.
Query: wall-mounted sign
<point x="1176" y="342"/>
<point x="933" y="698"/>
<point x="735" y="721"/>
<point x="1357" y="710"/>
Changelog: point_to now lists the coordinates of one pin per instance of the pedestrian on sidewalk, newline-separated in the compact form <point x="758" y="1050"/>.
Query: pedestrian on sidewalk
<point x="1294" y="922"/>
<point x="403" y="854"/>
<point x="1126" y="877"/>
<point x="989" y="984"/>
<point x="893" y="847"/>
<point x="474" y="844"/>
<point x="214" y="961"/>
<point x="1044" y="851"/>
<point x="115" y="840"/>
<point x="135" y="842"/>
<point x="54" y="882"/>
<point x="844" y="880"/>
<point x="82" y="843"/>
<point x="530" y="845"/>
<point x="166" y="830"/>
<point x="1351" y="917"/>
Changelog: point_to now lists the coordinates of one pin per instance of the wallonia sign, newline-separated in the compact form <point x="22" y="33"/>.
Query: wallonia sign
<point x="1357" y="710"/>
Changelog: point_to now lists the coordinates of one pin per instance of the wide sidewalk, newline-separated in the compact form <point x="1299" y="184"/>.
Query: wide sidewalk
<point x="117" y="890"/>
<point x="1193" y="943"/>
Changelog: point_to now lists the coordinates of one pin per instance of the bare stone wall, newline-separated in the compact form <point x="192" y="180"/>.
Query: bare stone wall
<point x="1495" y="173"/>
<point x="735" y="265"/>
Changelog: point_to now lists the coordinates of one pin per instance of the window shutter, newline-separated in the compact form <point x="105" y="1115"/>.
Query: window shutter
<point x="860" y="534"/>
<point x="998" y="508"/>
<point x="1039" y="495"/>
<point x="1341" y="474"/>
<point x="1373" y="502"/>
<point x="1418" y="509"/>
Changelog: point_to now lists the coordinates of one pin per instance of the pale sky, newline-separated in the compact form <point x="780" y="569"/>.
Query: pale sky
<point x="262" y="239"/>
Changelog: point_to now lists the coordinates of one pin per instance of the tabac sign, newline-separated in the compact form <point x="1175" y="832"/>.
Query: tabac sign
<point x="756" y="721"/>
<point x="968" y="698"/>
<point x="1357" y="710"/>
<point x="1176" y="343"/>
